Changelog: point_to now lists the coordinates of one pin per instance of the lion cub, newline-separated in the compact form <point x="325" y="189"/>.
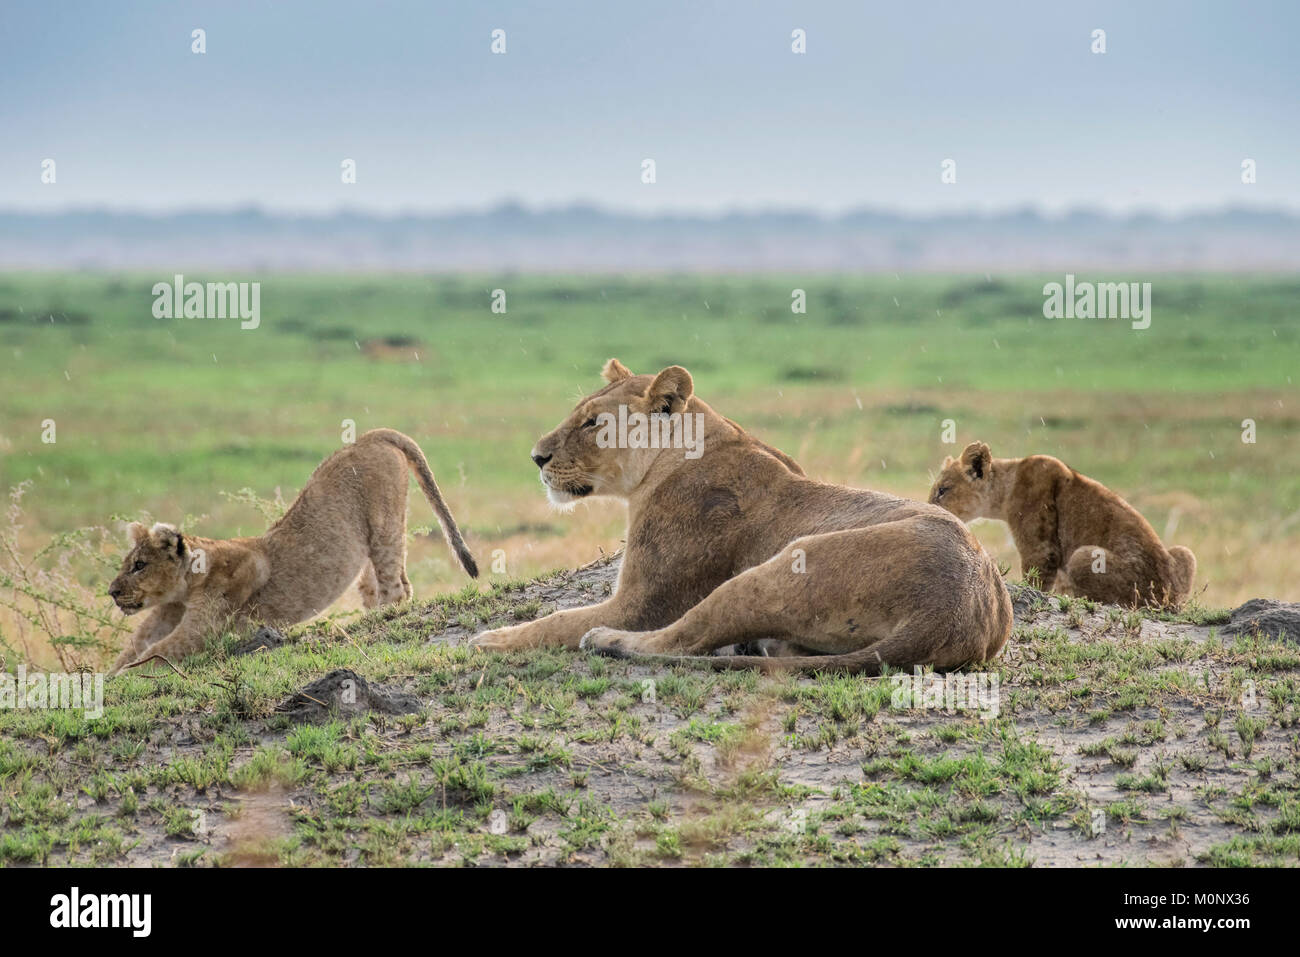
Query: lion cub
<point x="1066" y="522"/>
<point x="348" y="521"/>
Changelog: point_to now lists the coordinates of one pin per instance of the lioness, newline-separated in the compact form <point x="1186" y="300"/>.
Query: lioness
<point x="736" y="544"/>
<point x="349" y="518"/>
<point x="1066" y="523"/>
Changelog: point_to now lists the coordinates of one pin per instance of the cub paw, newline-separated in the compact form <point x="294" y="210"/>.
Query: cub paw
<point x="125" y="660"/>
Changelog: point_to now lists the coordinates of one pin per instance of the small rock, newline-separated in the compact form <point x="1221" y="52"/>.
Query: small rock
<point x="344" y="692"/>
<point x="265" y="639"/>
<point x="1278" y="619"/>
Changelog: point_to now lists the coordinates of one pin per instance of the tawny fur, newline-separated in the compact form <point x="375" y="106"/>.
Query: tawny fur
<point x="1082" y="538"/>
<point x="347" y="524"/>
<point x="738" y="545"/>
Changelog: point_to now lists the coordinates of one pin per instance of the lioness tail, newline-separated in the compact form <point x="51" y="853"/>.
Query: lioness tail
<point x="897" y="652"/>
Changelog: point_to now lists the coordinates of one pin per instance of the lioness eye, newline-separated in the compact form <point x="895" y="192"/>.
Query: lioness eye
<point x="138" y="565"/>
<point x="589" y="423"/>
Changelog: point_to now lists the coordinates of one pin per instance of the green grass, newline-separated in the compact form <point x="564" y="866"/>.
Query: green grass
<point x="162" y="416"/>
<point x="550" y="756"/>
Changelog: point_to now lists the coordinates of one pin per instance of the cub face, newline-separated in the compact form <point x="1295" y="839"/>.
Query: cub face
<point x="578" y="459"/>
<point x="964" y="485"/>
<point x="153" y="571"/>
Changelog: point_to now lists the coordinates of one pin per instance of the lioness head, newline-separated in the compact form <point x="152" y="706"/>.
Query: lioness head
<point x="584" y="455"/>
<point x="964" y="485"/>
<point x="153" y="570"/>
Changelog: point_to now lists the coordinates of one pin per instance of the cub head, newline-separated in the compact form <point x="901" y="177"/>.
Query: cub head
<point x="153" y="570"/>
<point x="964" y="484"/>
<point x="589" y="454"/>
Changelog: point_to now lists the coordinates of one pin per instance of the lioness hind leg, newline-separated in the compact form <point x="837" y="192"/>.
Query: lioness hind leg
<point x="837" y="593"/>
<point x="753" y="605"/>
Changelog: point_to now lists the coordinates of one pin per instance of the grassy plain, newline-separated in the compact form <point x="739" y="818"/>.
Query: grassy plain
<point x="1121" y="737"/>
<point x="160" y="417"/>
<point x="1113" y="738"/>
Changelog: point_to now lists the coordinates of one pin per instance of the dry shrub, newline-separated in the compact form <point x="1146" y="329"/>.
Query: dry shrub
<point x="53" y="603"/>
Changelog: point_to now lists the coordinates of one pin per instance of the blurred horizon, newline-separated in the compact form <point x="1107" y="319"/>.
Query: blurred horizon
<point x="579" y="238"/>
<point x="437" y="123"/>
<point x="512" y="204"/>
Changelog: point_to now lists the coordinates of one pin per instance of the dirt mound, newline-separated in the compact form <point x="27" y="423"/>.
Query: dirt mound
<point x="1025" y="601"/>
<point x="1277" y="619"/>
<point x="1103" y="736"/>
<point x="344" y="692"/>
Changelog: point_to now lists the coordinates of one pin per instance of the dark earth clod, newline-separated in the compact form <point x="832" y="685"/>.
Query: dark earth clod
<point x="344" y="692"/>
<point x="264" y="639"/>
<point x="1280" y="619"/>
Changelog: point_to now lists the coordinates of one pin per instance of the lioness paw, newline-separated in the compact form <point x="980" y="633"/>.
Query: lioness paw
<point x="498" y="639"/>
<point x="605" y="641"/>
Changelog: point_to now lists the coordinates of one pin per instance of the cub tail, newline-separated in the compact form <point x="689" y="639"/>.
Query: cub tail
<point x="424" y="475"/>
<point x="1184" y="572"/>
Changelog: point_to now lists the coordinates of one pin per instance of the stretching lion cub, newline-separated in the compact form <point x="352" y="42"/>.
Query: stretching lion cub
<point x="1066" y="522"/>
<point x="349" y="519"/>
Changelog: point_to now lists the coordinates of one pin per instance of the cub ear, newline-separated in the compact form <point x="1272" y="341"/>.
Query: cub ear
<point x="137" y="533"/>
<point x="947" y="461"/>
<point x="670" y="390"/>
<point x="615" y="371"/>
<point x="976" y="458"/>
<point x="168" y="538"/>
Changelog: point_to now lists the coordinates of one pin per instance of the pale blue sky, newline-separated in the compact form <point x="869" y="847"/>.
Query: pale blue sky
<point x="711" y="91"/>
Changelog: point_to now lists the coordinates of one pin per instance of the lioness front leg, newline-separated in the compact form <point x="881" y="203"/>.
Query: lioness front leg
<point x="763" y="601"/>
<point x="563" y="629"/>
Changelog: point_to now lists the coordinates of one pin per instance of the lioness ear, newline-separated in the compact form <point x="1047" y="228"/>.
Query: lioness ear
<point x="137" y="532"/>
<point x="615" y="371"/>
<point x="670" y="390"/>
<point x="977" y="458"/>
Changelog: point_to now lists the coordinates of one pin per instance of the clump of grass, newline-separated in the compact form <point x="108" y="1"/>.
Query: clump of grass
<point x="54" y="597"/>
<point x="270" y="509"/>
<point x="1248" y="729"/>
